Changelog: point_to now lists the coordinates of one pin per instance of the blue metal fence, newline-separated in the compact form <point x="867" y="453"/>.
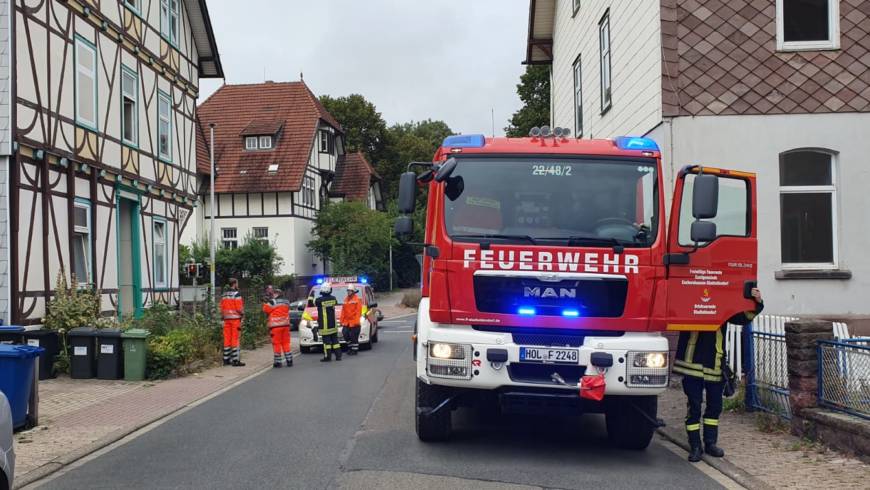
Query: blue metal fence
<point x="766" y="367"/>
<point x="844" y="375"/>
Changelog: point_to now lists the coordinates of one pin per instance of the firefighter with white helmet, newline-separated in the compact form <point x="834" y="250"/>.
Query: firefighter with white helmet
<point x="327" y="322"/>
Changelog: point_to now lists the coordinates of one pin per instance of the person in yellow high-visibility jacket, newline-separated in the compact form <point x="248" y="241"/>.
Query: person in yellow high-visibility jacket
<point x="327" y="325"/>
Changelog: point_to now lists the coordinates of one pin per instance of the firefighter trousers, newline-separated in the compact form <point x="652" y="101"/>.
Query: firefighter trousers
<point x="695" y="388"/>
<point x="351" y="335"/>
<point x="330" y="345"/>
<point x="232" y="331"/>
<point x="281" y="344"/>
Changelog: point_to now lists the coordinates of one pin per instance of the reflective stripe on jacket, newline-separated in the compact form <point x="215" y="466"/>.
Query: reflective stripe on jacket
<point x="232" y="306"/>
<point x="278" y="311"/>
<point x="326" y="314"/>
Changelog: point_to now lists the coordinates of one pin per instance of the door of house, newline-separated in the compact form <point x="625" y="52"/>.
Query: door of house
<point x="129" y="267"/>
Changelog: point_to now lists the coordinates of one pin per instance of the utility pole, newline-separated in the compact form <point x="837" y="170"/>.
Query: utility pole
<point x="390" y="235"/>
<point x="492" y="116"/>
<point x="211" y="209"/>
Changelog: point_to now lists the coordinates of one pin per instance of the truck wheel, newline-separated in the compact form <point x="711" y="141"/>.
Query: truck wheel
<point x="366" y="346"/>
<point x="375" y="336"/>
<point x="626" y="427"/>
<point x="306" y="349"/>
<point x="435" y="427"/>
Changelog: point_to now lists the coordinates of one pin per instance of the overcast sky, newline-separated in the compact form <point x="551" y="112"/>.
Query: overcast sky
<point x="453" y="60"/>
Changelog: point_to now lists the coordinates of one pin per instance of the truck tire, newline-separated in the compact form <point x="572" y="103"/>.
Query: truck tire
<point x="306" y="349"/>
<point x="375" y="336"/>
<point x="435" y="427"/>
<point x="626" y="427"/>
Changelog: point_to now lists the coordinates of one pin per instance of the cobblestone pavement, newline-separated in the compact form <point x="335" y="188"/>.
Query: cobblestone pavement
<point x="75" y="414"/>
<point x="773" y="456"/>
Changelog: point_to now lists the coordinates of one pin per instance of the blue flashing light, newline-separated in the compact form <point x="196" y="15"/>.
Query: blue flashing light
<point x="364" y="280"/>
<point x="571" y="313"/>
<point x="319" y="280"/>
<point x="465" y="141"/>
<point x="526" y="311"/>
<point x="636" y="143"/>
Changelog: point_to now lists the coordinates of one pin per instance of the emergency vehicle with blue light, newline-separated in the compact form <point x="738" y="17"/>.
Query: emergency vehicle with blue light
<point x="550" y="274"/>
<point x="368" y="336"/>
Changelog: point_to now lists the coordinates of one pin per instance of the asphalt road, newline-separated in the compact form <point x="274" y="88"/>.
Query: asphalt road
<point x="350" y="425"/>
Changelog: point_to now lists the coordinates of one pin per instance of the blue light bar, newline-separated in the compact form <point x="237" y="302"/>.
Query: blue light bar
<point x="526" y="311"/>
<point x="636" y="143"/>
<point x="364" y="280"/>
<point x="465" y="141"/>
<point x="319" y="280"/>
<point x="571" y="313"/>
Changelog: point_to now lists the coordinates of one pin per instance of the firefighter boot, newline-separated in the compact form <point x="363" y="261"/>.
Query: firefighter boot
<point x="695" y="450"/>
<point x="337" y="353"/>
<point x="711" y="435"/>
<point x="289" y="359"/>
<point x="327" y="355"/>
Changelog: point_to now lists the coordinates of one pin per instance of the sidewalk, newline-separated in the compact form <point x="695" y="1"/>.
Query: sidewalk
<point x="78" y="417"/>
<point x="771" y="459"/>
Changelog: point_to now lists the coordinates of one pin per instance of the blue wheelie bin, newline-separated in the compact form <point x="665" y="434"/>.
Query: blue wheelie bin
<point x="17" y="366"/>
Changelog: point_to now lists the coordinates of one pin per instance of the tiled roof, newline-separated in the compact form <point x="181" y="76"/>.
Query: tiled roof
<point x="263" y="127"/>
<point x="353" y="177"/>
<point x="236" y="108"/>
<point x="719" y="57"/>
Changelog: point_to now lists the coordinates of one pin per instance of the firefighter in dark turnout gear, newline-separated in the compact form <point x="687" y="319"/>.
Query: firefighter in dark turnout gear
<point x="327" y="325"/>
<point x="700" y="356"/>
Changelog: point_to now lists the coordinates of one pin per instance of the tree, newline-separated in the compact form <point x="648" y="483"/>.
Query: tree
<point x="256" y="260"/>
<point x="413" y="141"/>
<point x="355" y="239"/>
<point x="364" y="128"/>
<point x="534" y="92"/>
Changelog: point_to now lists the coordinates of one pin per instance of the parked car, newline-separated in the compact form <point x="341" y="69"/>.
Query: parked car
<point x="296" y="309"/>
<point x="7" y="451"/>
<point x="368" y="329"/>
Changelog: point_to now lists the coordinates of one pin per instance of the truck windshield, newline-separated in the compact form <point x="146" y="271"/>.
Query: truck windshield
<point x="572" y="201"/>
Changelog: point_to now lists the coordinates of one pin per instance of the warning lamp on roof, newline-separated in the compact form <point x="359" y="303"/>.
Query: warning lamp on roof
<point x="465" y="141"/>
<point x="636" y="143"/>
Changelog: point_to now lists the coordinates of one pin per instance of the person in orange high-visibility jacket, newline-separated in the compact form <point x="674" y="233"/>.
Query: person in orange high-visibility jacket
<point x="351" y="319"/>
<point x="278" y="311"/>
<point x="232" y="312"/>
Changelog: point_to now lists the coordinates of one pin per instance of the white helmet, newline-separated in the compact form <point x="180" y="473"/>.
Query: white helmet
<point x="352" y="287"/>
<point x="325" y="288"/>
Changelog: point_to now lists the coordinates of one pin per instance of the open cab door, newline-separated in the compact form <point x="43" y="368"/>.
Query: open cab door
<point x="712" y="258"/>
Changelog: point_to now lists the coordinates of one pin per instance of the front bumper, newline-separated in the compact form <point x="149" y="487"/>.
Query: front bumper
<point x="306" y="335"/>
<point x="487" y="375"/>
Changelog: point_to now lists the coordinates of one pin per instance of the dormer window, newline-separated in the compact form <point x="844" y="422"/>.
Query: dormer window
<point x="273" y="168"/>
<point x="327" y="142"/>
<point x="258" y="142"/>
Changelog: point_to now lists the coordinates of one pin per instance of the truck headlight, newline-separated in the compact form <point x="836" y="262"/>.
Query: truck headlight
<point x="449" y="360"/>
<point x="647" y="369"/>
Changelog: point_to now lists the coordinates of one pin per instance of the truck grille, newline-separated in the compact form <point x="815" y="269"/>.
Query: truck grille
<point x="601" y="297"/>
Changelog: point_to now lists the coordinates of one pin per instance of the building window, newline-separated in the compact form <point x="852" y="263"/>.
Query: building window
<point x="578" y="99"/>
<point x="808" y="219"/>
<point x="576" y="7"/>
<point x="324" y="141"/>
<point x="81" y="241"/>
<point x="265" y="142"/>
<point x="807" y="24"/>
<point x="229" y="238"/>
<point x="86" y="84"/>
<point x="251" y="143"/>
<point x="261" y="233"/>
<point x="129" y="106"/>
<point x="164" y="126"/>
<point x="604" y="45"/>
<point x="308" y="191"/>
<point x="169" y="20"/>
<point x="161" y="257"/>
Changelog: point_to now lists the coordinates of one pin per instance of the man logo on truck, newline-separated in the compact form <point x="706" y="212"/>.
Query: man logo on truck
<point x="536" y="292"/>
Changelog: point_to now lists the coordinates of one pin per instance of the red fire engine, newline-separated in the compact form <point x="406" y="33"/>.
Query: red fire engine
<point x="548" y="260"/>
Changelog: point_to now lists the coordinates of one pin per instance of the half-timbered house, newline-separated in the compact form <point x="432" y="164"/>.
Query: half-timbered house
<point x="103" y="164"/>
<point x="277" y="152"/>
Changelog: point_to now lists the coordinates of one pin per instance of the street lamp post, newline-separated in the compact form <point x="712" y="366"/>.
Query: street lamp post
<point x="390" y="233"/>
<point x="211" y="208"/>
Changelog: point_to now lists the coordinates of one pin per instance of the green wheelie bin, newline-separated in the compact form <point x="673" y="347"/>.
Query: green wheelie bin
<point x="135" y="353"/>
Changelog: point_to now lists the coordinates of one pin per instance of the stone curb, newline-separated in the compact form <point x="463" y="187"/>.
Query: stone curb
<point x="724" y="466"/>
<point x="61" y="462"/>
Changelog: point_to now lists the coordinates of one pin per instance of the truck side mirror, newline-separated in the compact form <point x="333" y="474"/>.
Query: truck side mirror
<point x="705" y="196"/>
<point x="404" y="227"/>
<point x="407" y="192"/>
<point x="703" y="231"/>
<point x="445" y="170"/>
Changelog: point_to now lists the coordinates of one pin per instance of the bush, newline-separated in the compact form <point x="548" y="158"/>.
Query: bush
<point x="411" y="299"/>
<point x="167" y="353"/>
<point x="70" y="308"/>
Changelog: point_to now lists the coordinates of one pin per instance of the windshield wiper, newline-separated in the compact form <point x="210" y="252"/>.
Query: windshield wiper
<point x="498" y="236"/>
<point x="617" y="244"/>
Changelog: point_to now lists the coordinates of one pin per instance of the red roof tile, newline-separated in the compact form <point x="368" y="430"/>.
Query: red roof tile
<point x="263" y="127"/>
<point x="235" y="109"/>
<point x="353" y="177"/>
